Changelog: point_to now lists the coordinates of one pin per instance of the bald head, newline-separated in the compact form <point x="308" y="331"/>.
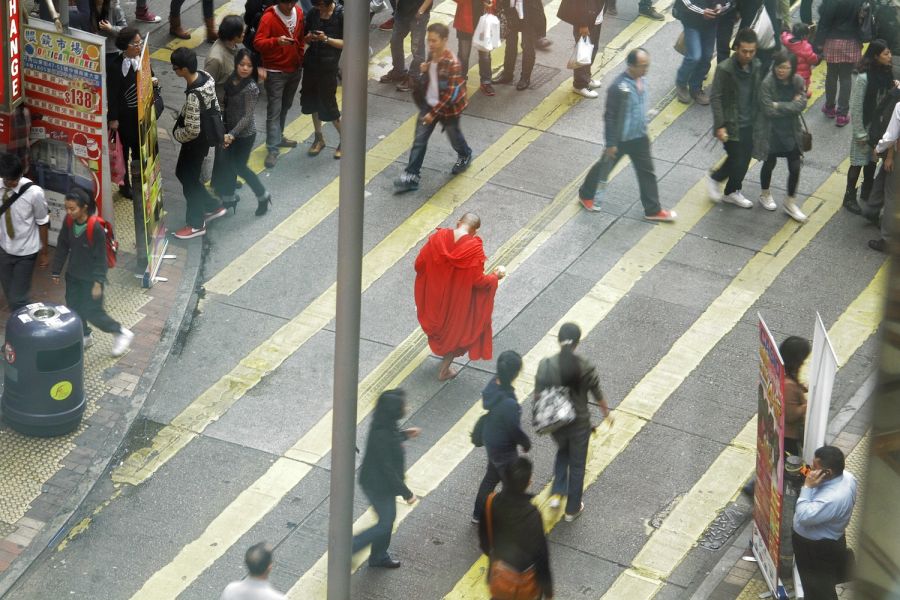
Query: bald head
<point x="471" y="221"/>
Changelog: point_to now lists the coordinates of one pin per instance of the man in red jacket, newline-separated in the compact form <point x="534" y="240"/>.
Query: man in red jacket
<point x="454" y="298"/>
<point x="279" y="41"/>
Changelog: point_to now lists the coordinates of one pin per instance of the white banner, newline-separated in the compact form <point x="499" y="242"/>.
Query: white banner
<point x="823" y="368"/>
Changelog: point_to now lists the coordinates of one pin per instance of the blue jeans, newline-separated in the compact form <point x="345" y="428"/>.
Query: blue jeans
<point x="571" y="458"/>
<point x="699" y="46"/>
<point x="423" y="132"/>
<point x="412" y="25"/>
<point x="379" y="535"/>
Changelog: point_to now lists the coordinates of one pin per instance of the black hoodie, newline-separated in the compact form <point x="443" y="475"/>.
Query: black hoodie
<point x="502" y="431"/>
<point x="383" y="464"/>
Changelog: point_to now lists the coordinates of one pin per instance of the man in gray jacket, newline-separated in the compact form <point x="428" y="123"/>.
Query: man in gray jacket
<point x="201" y="206"/>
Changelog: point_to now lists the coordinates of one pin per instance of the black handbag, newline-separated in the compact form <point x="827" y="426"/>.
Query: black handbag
<point x="805" y="136"/>
<point x="477" y="436"/>
<point x="158" y="105"/>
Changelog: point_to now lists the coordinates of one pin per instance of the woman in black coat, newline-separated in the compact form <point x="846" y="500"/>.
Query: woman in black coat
<point x="381" y="475"/>
<point x="121" y="94"/>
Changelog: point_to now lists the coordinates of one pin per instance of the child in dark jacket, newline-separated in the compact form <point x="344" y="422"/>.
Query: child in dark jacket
<point x="86" y="272"/>
<point x="797" y="43"/>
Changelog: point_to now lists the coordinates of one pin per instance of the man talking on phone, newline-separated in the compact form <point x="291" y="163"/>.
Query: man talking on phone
<point x="279" y="42"/>
<point x="823" y="511"/>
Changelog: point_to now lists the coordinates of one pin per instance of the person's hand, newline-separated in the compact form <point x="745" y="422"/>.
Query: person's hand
<point x="104" y="25"/>
<point x="815" y="478"/>
<point x="584" y="31"/>
<point x="722" y="134"/>
<point x="97" y="291"/>
<point x="54" y="279"/>
<point x="113" y="125"/>
<point x="412" y="432"/>
<point x="799" y="97"/>
<point x="43" y="258"/>
<point x="710" y="14"/>
<point x="611" y="152"/>
<point x="284" y="40"/>
<point x="888" y="165"/>
<point x="228" y="139"/>
<point x="412" y="499"/>
<point x="263" y="73"/>
<point x="500" y="272"/>
<point x="423" y="67"/>
<point x="428" y="119"/>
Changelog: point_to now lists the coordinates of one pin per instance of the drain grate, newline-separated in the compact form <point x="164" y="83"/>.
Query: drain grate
<point x="722" y="528"/>
<point x="540" y="74"/>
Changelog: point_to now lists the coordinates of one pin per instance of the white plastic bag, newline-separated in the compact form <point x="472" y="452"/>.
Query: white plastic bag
<point x="487" y="33"/>
<point x="765" y="32"/>
<point x="581" y="56"/>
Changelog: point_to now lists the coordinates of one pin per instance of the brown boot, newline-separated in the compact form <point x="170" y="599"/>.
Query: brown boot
<point x="211" y="34"/>
<point x="175" y="29"/>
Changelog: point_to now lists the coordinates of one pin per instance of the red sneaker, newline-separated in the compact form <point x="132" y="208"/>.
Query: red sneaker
<point x="387" y="25"/>
<point x="487" y="89"/>
<point x="146" y="16"/>
<point x="588" y="204"/>
<point x="187" y="232"/>
<point x="665" y="216"/>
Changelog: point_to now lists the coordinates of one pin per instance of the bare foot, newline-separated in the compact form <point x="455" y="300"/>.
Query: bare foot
<point x="447" y="374"/>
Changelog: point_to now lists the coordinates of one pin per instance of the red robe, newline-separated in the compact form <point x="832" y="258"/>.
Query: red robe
<point x="454" y="298"/>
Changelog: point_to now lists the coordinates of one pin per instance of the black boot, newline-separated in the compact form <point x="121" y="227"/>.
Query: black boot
<point x="263" y="204"/>
<point x="850" y="202"/>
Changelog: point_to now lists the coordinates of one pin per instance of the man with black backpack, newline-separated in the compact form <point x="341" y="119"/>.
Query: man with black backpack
<point x="198" y="127"/>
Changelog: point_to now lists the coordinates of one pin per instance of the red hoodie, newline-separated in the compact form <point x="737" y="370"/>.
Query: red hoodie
<point x="803" y="50"/>
<point x="287" y="59"/>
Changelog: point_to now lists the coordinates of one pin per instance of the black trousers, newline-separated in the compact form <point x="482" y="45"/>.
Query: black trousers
<point x="496" y="467"/>
<point x="187" y="170"/>
<point x="737" y="162"/>
<point x="233" y="163"/>
<point x="820" y="564"/>
<point x="529" y="33"/>
<point x="582" y="75"/>
<point x="15" y="277"/>
<point x="838" y="82"/>
<point x="80" y="299"/>
<point x="379" y="535"/>
<point x="794" y="163"/>
<point x="638" y="150"/>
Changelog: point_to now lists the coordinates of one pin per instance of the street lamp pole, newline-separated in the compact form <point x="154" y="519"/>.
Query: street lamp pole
<point x="354" y="69"/>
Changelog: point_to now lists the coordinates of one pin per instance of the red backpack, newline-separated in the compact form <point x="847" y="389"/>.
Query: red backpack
<point x="112" y="245"/>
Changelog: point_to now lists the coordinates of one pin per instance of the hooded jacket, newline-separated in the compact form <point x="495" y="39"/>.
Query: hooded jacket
<point x="383" y="466"/>
<point x="187" y="126"/>
<point x="803" y="50"/>
<point x="502" y="429"/>
<point x="287" y="59"/>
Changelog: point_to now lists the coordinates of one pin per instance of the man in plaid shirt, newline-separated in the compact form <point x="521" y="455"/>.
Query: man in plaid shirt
<point x="441" y="97"/>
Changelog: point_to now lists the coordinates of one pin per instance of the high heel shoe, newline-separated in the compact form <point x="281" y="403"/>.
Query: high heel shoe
<point x="232" y="204"/>
<point x="263" y="205"/>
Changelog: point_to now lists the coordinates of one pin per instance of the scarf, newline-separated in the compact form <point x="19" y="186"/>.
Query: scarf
<point x="880" y="81"/>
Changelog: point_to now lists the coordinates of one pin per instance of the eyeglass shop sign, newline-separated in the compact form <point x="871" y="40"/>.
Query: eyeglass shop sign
<point x="11" y="82"/>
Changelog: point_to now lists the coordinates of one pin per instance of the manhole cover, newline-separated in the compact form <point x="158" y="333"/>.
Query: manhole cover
<point x="722" y="528"/>
<point x="540" y="74"/>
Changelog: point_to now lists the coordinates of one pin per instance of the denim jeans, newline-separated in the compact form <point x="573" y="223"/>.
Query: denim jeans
<point x="638" y="150"/>
<point x="582" y="75"/>
<point x="379" y="535"/>
<point x="496" y="465"/>
<point x="414" y="26"/>
<point x="465" y="50"/>
<point x="15" y="277"/>
<point x="571" y="458"/>
<point x="280" y="91"/>
<point x="699" y="46"/>
<point x="187" y="170"/>
<point x="423" y="132"/>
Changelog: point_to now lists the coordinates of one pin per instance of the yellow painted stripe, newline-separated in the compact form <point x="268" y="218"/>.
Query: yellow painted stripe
<point x="198" y="35"/>
<point x="264" y="494"/>
<point x="264" y="359"/>
<point x="262" y="253"/>
<point x="684" y="356"/>
<point x="672" y="542"/>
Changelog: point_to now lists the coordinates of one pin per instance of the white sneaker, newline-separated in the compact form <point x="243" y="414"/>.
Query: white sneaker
<point x="554" y="502"/>
<point x="738" y="199"/>
<point x="594" y="84"/>
<point x="88" y="341"/>
<point x="713" y="189"/>
<point x="569" y="518"/>
<point x="122" y="342"/>
<point x="765" y="200"/>
<point x="791" y="208"/>
<point x="586" y="92"/>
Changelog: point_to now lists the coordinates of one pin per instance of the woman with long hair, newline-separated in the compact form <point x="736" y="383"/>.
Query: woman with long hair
<point x="794" y="352"/>
<point x="874" y="82"/>
<point x="240" y="96"/>
<point x="502" y="432"/>
<point x="318" y="93"/>
<point x="382" y="475"/>
<point x="570" y="370"/>
<point x="777" y="130"/>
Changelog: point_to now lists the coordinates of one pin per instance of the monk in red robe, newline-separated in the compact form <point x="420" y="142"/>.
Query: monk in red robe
<point x="454" y="298"/>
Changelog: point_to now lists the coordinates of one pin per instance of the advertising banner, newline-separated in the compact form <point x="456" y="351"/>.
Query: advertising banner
<point x="154" y="228"/>
<point x="65" y="90"/>
<point x="823" y="368"/>
<point x="769" y="459"/>
<point x="11" y="85"/>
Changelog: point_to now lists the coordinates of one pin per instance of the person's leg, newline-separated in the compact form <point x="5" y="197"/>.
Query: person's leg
<point x="578" y="448"/>
<point x="852" y="178"/>
<point x="464" y="50"/>
<point x="420" y="145"/>
<point x="693" y="51"/>
<point x="891" y="189"/>
<point x="418" y="31"/>
<point x="94" y="313"/>
<point x="291" y="84"/>
<point x="509" y="53"/>
<point x="724" y="170"/>
<point x="398" y="35"/>
<point x="831" y="82"/>
<point x="241" y="149"/>
<point x="806" y="11"/>
<point x="865" y="189"/>
<point x="707" y="38"/>
<point x="484" y="67"/>
<point x="221" y="173"/>
<point x="187" y="170"/>
<point x="642" y="159"/>
<point x="529" y="38"/>
<point x="724" y="32"/>
<point x="20" y="284"/>
<point x="386" y="507"/>
<point x="845" y="82"/>
<point x="582" y="75"/>
<point x="795" y="163"/>
<point x="488" y="484"/>
<point x="597" y="176"/>
<point x="741" y="161"/>
<point x="274" y="84"/>
<point x="207" y="7"/>
<point x="765" y="173"/>
<point x="6" y="272"/>
<point x="175" y="8"/>
<point x="75" y="300"/>
<point x="561" y="462"/>
<point x="455" y="135"/>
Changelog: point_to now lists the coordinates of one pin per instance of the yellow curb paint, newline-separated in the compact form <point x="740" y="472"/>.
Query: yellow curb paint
<point x="684" y="356"/>
<point x="316" y="443"/>
<point x="198" y="35"/>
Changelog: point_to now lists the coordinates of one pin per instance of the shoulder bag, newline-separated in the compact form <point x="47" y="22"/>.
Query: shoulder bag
<point x="13" y="197"/>
<point x="552" y="408"/>
<point x="504" y="581"/>
<point x="805" y="136"/>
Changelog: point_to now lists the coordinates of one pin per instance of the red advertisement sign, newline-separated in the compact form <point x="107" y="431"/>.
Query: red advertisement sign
<point x="11" y="87"/>
<point x="67" y="136"/>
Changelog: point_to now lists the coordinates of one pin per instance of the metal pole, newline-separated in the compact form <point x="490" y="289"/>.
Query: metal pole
<point x="354" y="67"/>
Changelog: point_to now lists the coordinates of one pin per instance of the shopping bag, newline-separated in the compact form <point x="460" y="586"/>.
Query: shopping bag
<point x="487" y="33"/>
<point x="116" y="159"/>
<point x="765" y="32"/>
<point x="581" y="56"/>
